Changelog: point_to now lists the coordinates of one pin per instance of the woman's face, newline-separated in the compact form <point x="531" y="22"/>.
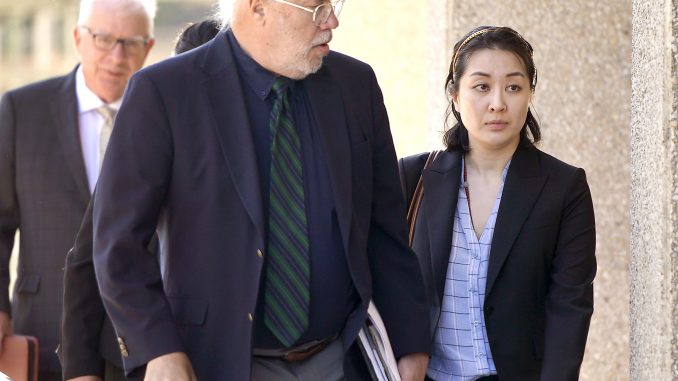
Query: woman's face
<point x="493" y="99"/>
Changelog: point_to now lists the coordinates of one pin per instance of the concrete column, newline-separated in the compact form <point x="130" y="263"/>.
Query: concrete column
<point x="654" y="191"/>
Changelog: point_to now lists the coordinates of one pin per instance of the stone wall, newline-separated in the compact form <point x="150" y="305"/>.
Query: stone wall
<point x="654" y="191"/>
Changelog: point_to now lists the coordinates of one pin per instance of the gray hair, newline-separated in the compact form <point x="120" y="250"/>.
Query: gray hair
<point x="225" y="14"/>
<point x="149" y="6"/>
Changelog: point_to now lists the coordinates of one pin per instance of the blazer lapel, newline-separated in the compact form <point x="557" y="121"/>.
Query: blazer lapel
<point x="328" y="111"/>
<point x="441" y="188"/>
<point x="523" y="185"/>
<point x="224" y="95"/>
<point x="64" y="111"/>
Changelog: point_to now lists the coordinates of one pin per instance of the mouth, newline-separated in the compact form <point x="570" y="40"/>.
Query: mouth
<point x="114" y="73"/>
<point x="323" y="40"/>
<point x="496" y="124"/>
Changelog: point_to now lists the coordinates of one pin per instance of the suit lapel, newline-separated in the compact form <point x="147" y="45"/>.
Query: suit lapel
<point x="328" y="111"/>
<point x="64" y="112"/>
<point x="523" y="185"/>
<point x="441" y="188"/>
<point x="224" y="95"/>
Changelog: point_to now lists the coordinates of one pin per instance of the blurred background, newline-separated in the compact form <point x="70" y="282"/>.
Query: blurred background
<point x="583" y="56"/>
<point x="36" y="36"/>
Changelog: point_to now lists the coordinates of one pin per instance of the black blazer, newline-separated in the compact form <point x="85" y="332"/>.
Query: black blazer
<point x="44" y="194"/>
<point x="539" y="295"/>
<point x="88" y="339"/>
<point x="181" y="159"/>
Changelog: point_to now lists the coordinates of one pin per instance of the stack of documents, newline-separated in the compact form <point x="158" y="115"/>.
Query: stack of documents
<point x="376" y="348"/>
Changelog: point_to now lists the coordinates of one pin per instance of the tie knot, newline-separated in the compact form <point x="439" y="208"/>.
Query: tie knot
<point x="280" y="86"/>
<point x="107" y="113"/>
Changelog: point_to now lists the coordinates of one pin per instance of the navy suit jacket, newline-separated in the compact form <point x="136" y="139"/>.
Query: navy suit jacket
<point x="539" y="293"/>
<point x="44" y="194"/>
<point x="88" y="339"/>
<point x="181" y="159"/>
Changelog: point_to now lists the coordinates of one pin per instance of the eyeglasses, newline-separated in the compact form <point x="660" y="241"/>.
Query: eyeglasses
<point x="104" y="41"/>
<point x="322" y="12"/>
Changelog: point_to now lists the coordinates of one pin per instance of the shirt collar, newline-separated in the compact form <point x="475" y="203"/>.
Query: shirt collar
<point x="87" y="100"/>
<point x="255" y="75"/>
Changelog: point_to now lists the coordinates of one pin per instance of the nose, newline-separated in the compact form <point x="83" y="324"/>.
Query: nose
<point x="331" y="23"/>
<point x="497" y="102"/>
<point x="118" y="51"/>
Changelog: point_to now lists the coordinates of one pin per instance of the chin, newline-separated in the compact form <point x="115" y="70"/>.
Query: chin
<point x="305" y="69"/>
<point x="315" y="65"/>
<point x="110" y="95"/>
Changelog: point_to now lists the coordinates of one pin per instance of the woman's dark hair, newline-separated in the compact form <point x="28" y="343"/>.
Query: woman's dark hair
<point x="195" y="35"/>
<point x="487" y="37"/>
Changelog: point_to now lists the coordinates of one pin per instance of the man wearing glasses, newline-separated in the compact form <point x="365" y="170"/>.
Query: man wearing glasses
<point x="266" y="165"/>
<point x="52" y="139"/>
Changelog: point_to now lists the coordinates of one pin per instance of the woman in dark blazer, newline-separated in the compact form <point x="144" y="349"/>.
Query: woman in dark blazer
<point x="505" y="234"/>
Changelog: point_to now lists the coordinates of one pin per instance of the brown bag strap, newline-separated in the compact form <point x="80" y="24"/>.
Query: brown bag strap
<point x="413" y="210"/>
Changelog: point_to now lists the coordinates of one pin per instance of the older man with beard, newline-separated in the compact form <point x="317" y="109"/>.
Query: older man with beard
<point x="266" y="165"/>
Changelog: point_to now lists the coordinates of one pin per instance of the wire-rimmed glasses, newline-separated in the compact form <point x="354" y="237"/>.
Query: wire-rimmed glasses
<point x="322" y="12"/>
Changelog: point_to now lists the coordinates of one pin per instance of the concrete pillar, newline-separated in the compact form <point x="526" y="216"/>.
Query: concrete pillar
<point x="654" y="191"/>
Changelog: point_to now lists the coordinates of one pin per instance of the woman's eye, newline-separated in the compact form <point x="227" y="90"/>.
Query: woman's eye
<point x="513" y="88"/>
<point x="481" y="87"/>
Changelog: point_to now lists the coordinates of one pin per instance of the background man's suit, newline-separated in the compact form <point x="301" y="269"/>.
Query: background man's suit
<point x="88" y="339"/>
<point x="182" y="150"/>
<point x="43" y="193"/>
<point x="539" y="293"/>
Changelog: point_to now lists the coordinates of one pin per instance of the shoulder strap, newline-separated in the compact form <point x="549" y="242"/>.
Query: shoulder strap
<point x="413" y="210"/>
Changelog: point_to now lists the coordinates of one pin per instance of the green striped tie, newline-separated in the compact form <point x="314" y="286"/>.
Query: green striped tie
<point x="286" y="297"/>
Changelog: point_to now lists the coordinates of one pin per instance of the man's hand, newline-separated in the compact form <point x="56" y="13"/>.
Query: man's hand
<point x="412" y="367"/>
<point x="5" y="326"/>
<point x="85" y="378"/>
<point x="170" y="367"/>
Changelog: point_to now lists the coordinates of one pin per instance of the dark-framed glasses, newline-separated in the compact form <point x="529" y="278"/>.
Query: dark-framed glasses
<point x="322" y="12"/>
<point x="104" y="41"/>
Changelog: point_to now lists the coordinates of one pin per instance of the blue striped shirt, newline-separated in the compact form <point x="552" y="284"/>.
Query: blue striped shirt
<point x="461" y="350"/>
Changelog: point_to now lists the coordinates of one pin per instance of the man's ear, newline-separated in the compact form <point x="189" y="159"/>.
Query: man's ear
<point x="149" y="46"/>
<point x="77" y="38"/>
<point x="257" y="8"/>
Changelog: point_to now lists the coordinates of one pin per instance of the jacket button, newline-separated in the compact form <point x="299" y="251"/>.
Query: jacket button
<point x="250" y="317"/>
<point x="260" y="254"/>
<point x="123" y="347"/>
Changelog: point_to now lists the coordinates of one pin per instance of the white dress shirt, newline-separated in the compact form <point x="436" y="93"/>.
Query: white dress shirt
<point x="90" y="122"/>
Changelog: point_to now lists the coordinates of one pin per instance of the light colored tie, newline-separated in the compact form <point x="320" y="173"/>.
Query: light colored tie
<point x="108" y="114"/>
